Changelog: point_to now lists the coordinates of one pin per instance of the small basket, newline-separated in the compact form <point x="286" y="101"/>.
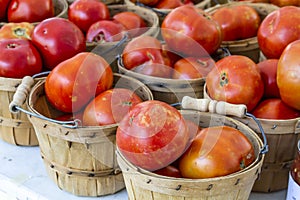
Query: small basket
<point x="110" y="50"/>
<point x="248" y="47"/>
<point x="282" y="136"/>
<point x="144" y="185"/>
<point x="164" y="89"/>
<point x="80" y="160"/>
<point x="60" y="10"/>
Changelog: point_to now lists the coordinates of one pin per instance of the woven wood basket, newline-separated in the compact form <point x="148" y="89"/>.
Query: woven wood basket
<point x="248" y="47"/>
<point x="80" y="160"/>
<point x="167" y="90"/>
<point x="144" y="185"/>
<point x="110" y="50"/>
<point x="282" y="136"/>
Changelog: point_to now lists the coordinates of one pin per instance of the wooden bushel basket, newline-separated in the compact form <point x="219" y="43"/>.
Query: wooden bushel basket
<point x="144" y="185"/>
<point x="247" y="47"/>
<point x="79" y="159"/>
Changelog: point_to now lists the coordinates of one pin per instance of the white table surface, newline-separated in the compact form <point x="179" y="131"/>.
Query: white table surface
<point x="23" y="177"/>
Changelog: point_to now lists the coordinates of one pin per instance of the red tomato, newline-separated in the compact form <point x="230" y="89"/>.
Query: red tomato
<point x="288" y="75"/>
<point x="268" y="72"/>
<point x="105" y="31"/>
<point x="282" y="3"/>
<point x="192" y="68"/>
<point x="3" y="10"/>
<point x="168" y="4"/>
<point x="274" y="109"/>
<point x="75" y="81"/>
<point x="152" y="135"/>
<point x="169" y="171"/>
<point x="216" y="151"/>
<point x="191" y="32"/>
<point x="22" y="30"/>
<point x="59" y="43"/>
<point x="146" y="2"/>
<point x="278" y="29"/>
<point x="110" y="107"/>
<point x="19" y="58"/>
<point x="235" y="79"/>
<point x="84" y="13"/>
<point x="133" y="23"/>
<point x="30" y="10"/>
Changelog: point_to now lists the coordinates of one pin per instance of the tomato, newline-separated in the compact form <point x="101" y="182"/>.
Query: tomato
<point x="169" y="171"/>
<point x="274" y="108"/>
<point x="110" y="107"/>
<point x="105" y="31"/>
<point x="216" y="151"/>
<point x="84" y="13"/>
<point x="192" y="68"/>
<point x="282" y="3"/>
<point x="22" y="30"/>
<point x="133" y="23"/>
<point x="3" y="9"/>
<point x="144" y="55"/>
<point x="75" y="81"/>
<point x="168" y="4"/>
<point x="152" y="135"/>
<point x="30" y="10"/>
<point x="235" y="79"/>
<point x="191" y="32"/>
<point x="59" y="43"/>
<point x="268" y="72"/>
<point x="70" y="116"/>
<point x="288" y="75"/>
<point x="146" y="2"/>
<point x="278" y="29"/>
<point x="19" y="58"/>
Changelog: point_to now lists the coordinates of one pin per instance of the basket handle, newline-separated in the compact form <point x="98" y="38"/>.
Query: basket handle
<point x="21" y="95"/>
<point x="223" y="108"/>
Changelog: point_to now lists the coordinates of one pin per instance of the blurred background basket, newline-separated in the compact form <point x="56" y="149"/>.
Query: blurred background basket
<point x="80" y="160"/>
<point x="144" y="185"/>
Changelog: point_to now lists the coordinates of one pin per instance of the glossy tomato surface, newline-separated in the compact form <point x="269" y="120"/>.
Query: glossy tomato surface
<point x="3" y="10"/>
<point x="191" y="32"/>
<point x="22" y="30"/>
<point x="110" y="107"/>
<point x="30" y="10"/>
<point x="57" y="39"/>
<point x="288" y="75"/>
<point x="216" y="151"/>
<point x="75" y="81"/>
<point x="235" y="79"/>
<point x="19" y="58"/>
<point x="152" y="135"/>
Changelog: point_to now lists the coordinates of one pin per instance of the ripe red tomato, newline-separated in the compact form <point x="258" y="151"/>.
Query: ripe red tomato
<point x="75" y="81"/>
<point x="278" y="29"/>
<point x="146" y="2"/>
<point x="169" y="171"/>
<point x="22" y="30"/>
<point x="235" y="79"/>
<point x="19" y="58"/>
<point x="216" y="151"/>
<point x="275" y="108"/>
<point x="30" y="10"/>
<point x="191" y="32"/>
<point x="3" y="10"/>
<point x="59" y="43"/>
<point x="192" y="68"/>
<point x="168" y="4"/>
<point x="152" y="135"/>
<point x="282" y="3"/>
<point x="268" y="72"/>
<point x="288" y="75"/>
<point x="84" y="13"/>
<point x="110" y="107"/>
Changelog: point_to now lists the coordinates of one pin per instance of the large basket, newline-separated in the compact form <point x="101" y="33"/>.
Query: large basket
<point x="167" y="90"/>
<point x="79" y="160"/>
<point x="282" y="136"/>
<point x="110" y="50"/>
<point x="144" y="185"/>
<point x="15" y="129"/>
<point x="247" y="47"/>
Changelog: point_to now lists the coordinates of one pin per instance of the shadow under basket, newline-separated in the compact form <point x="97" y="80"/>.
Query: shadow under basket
<point x="144" y="185"/>
<point x="15" y="129"/>
<point x="80" y="160"/>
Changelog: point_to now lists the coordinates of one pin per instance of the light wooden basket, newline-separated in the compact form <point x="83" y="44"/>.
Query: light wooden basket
<point x="80" y="160"/>
<point x="144" y="185"/>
